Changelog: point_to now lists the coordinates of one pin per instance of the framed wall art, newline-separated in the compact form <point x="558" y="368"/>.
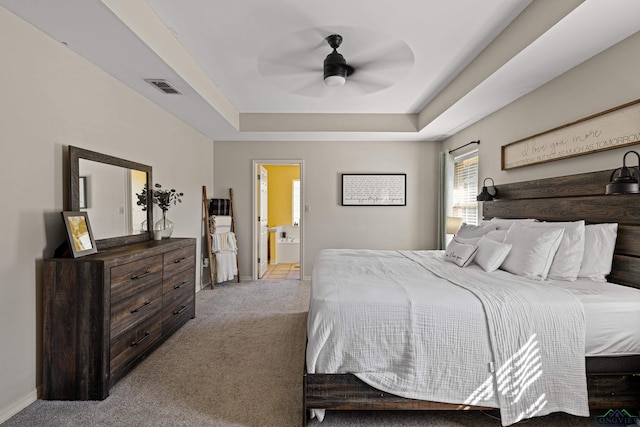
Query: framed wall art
<point x="374" y="189"/>
<point x="613" y="128"/>
<point x="79" y="235"/>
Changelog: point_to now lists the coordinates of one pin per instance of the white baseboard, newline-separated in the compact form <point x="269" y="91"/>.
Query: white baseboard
<point x="17" y="406"/>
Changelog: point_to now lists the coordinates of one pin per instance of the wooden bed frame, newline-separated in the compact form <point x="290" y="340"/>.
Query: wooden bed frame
<point x="613" y="382"/>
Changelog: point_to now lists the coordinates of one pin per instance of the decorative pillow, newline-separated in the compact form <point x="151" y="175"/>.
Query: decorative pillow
<point x="504" y="224"/>
<point x="600" y="241"/>
<point x="532" y="250"/>
<point x="566" y="263"/>
<point x="460" y="253"/>
<point x="491" y="254"/>
<point x="467" y="231"/>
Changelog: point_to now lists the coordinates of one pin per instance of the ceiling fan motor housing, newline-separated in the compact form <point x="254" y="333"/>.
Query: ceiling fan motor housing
<point x="335" y="65"/>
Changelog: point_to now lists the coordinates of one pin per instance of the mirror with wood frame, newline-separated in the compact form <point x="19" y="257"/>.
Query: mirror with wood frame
<point x="113" y="193"/>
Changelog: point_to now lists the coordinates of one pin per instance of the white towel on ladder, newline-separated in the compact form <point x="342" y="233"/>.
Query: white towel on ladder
<point x="224" y="242"/>
<point x="220" y="224"/>
<point x="226" y="267"/>
<point x="225" y="248"/>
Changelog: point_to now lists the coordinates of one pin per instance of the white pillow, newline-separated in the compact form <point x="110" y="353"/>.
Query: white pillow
<point x="460" y="253"/>
<point x="532" y="250"/>
<point x="491" y="254"/>
<point x="467" y="231"/>
<point x="566" y="263"/>
<point x="497" y="235"/>
<point x="504" y="224"/>
<point x="600" y="242"/>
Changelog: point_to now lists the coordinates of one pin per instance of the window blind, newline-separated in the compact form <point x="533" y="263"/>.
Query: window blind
<point x="465" y="188"/>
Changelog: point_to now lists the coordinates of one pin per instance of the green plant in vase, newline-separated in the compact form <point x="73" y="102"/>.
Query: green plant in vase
<point x="165" y="199"/>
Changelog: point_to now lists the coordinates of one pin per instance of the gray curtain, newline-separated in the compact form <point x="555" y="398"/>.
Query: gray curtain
<point x="445" y="202"/>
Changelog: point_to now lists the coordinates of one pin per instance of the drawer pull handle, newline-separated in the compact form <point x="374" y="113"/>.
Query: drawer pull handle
<point x="146" y="303"/>
<point x="139" y="276"/>
<point x="180" y="285"/>
<point x="180" y="260"/>
<point x="146" y="335"/>
<point x="180" y="311"/>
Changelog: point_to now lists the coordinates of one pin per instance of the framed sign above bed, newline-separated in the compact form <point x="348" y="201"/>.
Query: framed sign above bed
<point x="371" y="189"/>
<point x="613" y="128"/>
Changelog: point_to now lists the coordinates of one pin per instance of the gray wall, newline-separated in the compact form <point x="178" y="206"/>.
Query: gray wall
<point x="605" y="81"/>
<point x="52" y="98"/>
<point x="328" y="224"/>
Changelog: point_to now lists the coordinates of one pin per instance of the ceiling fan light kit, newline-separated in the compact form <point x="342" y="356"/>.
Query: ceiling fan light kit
<point x="336" y="69"/>
<point x="335" y="80"/>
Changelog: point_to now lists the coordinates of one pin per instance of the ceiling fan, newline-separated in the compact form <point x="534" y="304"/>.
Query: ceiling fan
<point x="376" y="62"/>
<point x="336" y="68"/>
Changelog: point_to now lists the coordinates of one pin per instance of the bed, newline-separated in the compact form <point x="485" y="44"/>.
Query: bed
<point x="612" y="364"/>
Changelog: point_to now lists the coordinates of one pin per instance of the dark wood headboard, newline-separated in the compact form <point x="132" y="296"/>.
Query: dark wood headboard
<point x="576" y="197"/>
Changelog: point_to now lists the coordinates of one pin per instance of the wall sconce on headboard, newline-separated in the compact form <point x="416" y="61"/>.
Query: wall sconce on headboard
<point x="626" y="182"/>
<point x="487" y="195"/>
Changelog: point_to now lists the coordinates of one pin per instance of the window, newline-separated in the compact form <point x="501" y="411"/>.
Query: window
<point x="465" y="188"/>
<point x="295" y="202"/>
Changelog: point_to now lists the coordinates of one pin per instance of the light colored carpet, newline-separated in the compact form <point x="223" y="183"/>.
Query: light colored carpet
<point x="238" y="363"/>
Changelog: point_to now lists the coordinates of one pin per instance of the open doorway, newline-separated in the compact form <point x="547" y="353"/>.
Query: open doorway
<point x="278" y="221"/>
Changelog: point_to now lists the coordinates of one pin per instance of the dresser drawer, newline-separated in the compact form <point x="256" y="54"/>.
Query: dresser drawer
<point x="134" y="310"/>
<point x="177" y="313"/>
<point x="178" y="287"/>
<point x="129" y="279"/>
<point x="133" y="344"/>
<point x="179" y="260"/>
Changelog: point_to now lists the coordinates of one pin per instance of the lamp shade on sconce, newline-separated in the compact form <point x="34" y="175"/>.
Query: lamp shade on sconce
<point x="488" y="193"/>
<point x="625" y="180"/>
<point x="452" y="225"/>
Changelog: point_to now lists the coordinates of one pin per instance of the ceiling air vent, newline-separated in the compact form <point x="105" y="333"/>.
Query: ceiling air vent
<point x="163" y="85"/>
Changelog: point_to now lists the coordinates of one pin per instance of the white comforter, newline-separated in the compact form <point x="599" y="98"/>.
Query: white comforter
<point x="413" y="325"/>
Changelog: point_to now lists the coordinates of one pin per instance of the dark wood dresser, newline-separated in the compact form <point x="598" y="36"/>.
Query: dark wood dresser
<point x="104" y="313"/>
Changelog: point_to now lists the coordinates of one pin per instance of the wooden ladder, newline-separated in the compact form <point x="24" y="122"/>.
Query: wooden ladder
<point x="205" y="204"/>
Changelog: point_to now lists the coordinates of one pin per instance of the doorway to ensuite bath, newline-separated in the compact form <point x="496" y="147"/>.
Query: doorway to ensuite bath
<point x="278" y="220"/>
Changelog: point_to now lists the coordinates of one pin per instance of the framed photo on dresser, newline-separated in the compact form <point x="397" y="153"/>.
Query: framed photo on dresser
<point x="79" y="235"/>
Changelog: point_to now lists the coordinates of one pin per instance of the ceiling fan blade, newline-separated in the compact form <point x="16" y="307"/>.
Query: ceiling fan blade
<point x="285" y="66"/>
<point x="391" y="70"/>
<point x="395" y="50"/>
<point x="314" y="88"/>
<point x="394" y="57"/>
<point x="301" y="52"/>
<point x="367" y="83"/>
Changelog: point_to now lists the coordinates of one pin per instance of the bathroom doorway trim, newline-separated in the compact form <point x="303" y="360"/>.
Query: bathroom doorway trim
<point x="254" y="210"/>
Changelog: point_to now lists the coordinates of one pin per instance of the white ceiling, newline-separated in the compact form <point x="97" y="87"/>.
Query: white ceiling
<point x="252" y="69"/>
